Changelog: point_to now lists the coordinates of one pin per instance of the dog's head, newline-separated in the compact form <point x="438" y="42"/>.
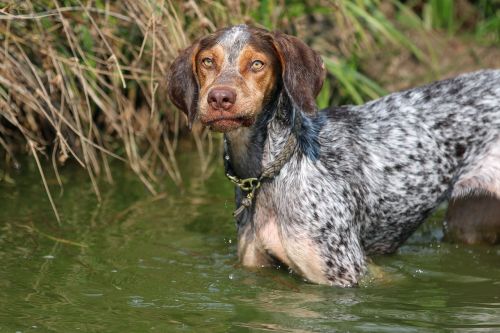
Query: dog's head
<point x="228" y="77"/>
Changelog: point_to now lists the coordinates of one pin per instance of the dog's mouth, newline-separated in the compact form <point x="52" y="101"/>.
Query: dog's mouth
<point x="225" y="121"/>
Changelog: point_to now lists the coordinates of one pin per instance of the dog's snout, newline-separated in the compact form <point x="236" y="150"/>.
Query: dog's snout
<point x="222" y="98"/>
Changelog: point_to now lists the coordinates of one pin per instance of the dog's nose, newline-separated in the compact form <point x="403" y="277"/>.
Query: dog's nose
<point x="222" y="98"/>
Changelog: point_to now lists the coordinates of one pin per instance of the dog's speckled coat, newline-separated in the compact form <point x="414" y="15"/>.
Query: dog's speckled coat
<point x="362" y="178"/>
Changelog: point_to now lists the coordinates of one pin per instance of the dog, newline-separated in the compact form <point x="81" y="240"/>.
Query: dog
<point x="320" y="190"/>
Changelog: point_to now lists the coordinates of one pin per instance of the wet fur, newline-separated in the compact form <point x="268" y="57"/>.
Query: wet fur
<point x="362" y="178"/>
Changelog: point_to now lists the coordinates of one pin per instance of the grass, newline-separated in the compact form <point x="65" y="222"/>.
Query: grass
<point x="84" y="81"/>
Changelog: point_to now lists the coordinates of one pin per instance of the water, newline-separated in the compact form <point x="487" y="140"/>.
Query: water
<point x="137" y="263"/>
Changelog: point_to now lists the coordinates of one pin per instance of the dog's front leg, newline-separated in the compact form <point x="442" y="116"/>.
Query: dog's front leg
<point x="249" y="251"/>
<point x="332" y="257"/>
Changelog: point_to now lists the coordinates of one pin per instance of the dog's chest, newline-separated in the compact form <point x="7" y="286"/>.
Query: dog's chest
<point x="277" y="239"/>
<point x="268" y="232"/>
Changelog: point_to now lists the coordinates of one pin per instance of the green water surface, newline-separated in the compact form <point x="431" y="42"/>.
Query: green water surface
<point x="137" y="263"/>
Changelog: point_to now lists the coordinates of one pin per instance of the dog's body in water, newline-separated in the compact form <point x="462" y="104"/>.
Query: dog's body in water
<point x="359" y="179"/>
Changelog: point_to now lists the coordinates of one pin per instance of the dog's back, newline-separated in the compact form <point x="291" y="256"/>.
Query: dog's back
<point x="406" y="152"/>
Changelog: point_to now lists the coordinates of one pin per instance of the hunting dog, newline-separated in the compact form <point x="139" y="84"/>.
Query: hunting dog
<point x="319" y="190"/>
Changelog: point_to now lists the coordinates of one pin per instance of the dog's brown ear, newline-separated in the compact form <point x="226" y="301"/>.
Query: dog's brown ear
<point x="182" y="84"/>
<point x="303" y="71"/>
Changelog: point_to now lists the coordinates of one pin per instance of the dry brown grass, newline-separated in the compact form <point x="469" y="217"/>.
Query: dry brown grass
<point x="85" y="81"/>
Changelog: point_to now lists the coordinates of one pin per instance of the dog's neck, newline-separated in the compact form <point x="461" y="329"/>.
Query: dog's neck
<point x="243" y="152"/>
<point x="248" y="149"/>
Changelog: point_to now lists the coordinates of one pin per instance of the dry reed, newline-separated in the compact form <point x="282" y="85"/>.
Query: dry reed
<point x="86" y="81"/>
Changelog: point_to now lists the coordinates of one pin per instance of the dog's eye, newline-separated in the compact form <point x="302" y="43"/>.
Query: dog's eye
<point x="257" y="65"/>
<point x="208" y="62"/>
